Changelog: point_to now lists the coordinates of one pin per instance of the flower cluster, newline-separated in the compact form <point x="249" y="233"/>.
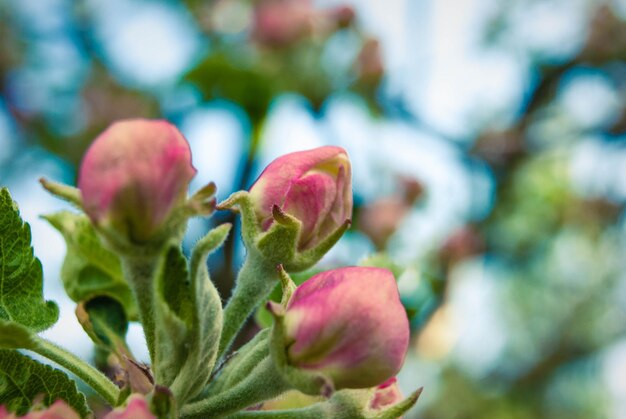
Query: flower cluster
<point x="341" y="336"/>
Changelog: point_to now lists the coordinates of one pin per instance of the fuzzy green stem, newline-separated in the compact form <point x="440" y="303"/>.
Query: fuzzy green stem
<point x="89" y="374"/>
<point x="246" y="359"/>
<point x="315" y="411"/>
<point x="263" y="383"/>
<point x="140" y="272"/>
<point x="256" y="280"/>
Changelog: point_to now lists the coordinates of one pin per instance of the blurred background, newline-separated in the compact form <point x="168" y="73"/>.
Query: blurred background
<point x="488" y="147"/>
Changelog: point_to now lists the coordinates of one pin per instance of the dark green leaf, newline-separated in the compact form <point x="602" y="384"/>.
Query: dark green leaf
<point x="21" y="276"/>
<point x="15" y="336"/>
<point x="218" y="77"/>
<point x="22" y="379"/>
<point x="104" y="320"/>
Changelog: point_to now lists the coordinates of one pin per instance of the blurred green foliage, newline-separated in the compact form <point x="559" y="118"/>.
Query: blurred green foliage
<point x="552" y="255"/>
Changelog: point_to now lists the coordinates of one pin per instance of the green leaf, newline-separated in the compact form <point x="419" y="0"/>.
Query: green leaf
<point x="90" y="269"/>
<point x="22" y="379"/>
<point x="21" y="276"/>
<point x="15" y="336"/>
<point x="188" y="318"/>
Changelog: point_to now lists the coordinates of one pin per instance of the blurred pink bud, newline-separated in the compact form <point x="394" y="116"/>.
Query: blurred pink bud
<point x="279" y="23"/>
<point x="369" y="63"/>
<point x="349" y="325"/>
<point x="133" y="175"/>
<point x="313" y="186"/>
<point x="58" y="410"/>
<point x="386" y="395"/>
<point x="136" y="408"/>
<point x="342" y="15"/>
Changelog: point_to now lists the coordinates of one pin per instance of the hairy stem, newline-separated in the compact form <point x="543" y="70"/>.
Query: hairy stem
<point x="315" y="411"/>
<point x="140" y="273"/>
<point x="87" y="373"/>
<point x="263" y="383"/>
<point x="255" y="282"/>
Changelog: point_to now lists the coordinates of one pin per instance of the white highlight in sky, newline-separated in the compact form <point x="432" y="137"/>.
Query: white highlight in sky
<point x="289" y="127"/>
<point x="147" y="43"/>
<point x="590" y="100"/>
<point x="216" y="137"/>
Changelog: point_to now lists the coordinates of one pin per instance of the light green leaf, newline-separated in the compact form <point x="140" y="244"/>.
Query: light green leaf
<point x="189" y="319"/>
<point x="90" y="269"/>
<point x="15" y="336"/>
<point x="21" y="276"/>
<point x="172" y="319"/>
<point x="22" y="379"/>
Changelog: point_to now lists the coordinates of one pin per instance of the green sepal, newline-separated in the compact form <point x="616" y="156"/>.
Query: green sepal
<point x="400" y="408"/>
<point x="21" y="275"/>
<point x="344" y="404"/>
<point x="90" y="269"/>
<point x="307" y="258"/>
<point x="287" y="285"/>
<point x="200" y="204"/>
<point x="104" y="320"/>
<point x="15" y="336"/>
<point x="279" y="244"/>
<point x="188" y="323"/>
<point x="240" y="202"/>
<point x="356" y="404"/>
<point x="203" y="202"/>
<point x="64" y="192"/>
<point x="24" y="379"/>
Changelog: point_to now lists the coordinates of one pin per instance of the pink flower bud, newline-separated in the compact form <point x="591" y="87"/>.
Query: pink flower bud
<point x="136" y="408"/>
<point x="58" y="410"/>
<point x="280" y="23"/>
<point x="133" y="175"/>
<point x="349" y="325"/>
<point x="314" y="186"/>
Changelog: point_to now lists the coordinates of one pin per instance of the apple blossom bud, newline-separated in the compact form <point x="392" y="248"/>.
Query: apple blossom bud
<point x="133" y="175"/>
<point x="342" y="15"/>
<point x="349" y="325"/>
<point x="313" y="186"/>
<point x="280" y="23"/>
<point x="369" y="63"/>
<point x="136" y="408"/>
<point x="57" y="410"/>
